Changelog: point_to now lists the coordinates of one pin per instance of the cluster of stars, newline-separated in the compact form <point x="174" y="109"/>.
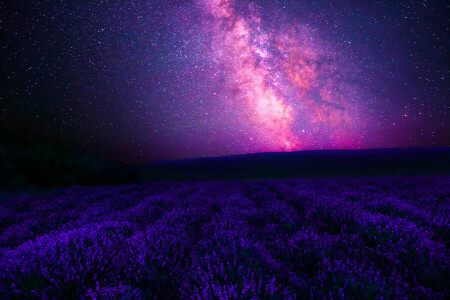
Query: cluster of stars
<point x="143" y="80"/>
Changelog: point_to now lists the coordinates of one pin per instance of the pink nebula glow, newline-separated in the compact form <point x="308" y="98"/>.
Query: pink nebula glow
<point x="280" y="82"/>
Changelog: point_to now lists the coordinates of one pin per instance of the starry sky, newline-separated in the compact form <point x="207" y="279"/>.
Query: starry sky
<point x="136" y="81"/>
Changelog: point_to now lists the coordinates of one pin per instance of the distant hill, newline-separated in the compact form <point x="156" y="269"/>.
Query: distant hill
<point x="304" y="164"/>
<point x="44" y="166"/>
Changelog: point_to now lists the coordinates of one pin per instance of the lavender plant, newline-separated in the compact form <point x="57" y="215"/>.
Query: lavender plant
<point x="377" y="238"/>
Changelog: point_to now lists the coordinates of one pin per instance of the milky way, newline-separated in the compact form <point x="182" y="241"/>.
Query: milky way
<point x="142" y="80"/>
<point x="281" y="81"/>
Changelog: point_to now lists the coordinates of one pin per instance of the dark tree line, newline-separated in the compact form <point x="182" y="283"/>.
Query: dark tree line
<point x="44" y="165"/>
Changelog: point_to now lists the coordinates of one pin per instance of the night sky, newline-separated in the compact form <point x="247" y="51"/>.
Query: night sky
<point x="136" y="81"/>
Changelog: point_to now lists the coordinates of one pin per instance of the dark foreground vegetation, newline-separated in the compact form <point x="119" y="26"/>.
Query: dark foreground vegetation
<point x="372" y="238"/>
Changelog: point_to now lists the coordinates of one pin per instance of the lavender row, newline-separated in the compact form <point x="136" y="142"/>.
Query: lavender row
<point x="377" y="238"/>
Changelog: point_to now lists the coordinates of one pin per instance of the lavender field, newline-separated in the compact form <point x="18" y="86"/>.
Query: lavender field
<point x="373" y="238"/>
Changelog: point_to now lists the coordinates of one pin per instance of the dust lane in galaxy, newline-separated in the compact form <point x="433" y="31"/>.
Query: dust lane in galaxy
<point x="284" y="83"/>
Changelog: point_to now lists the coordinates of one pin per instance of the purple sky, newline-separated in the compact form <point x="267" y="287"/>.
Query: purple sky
<point x="137" y="81"/>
